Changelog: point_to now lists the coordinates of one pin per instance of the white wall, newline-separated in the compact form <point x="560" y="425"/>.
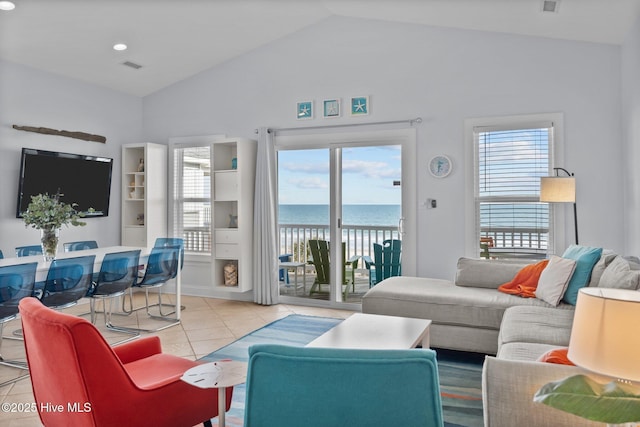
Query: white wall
<point x="442" y="75"/>
<point x="631" y="128"/>
<point x="33" y="98"/>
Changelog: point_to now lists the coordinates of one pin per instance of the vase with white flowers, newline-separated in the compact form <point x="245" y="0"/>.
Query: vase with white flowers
<point x="48" y="214"/>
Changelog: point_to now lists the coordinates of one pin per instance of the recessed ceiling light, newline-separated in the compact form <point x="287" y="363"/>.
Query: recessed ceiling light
<point x="7" y="5"/>
<point x="119" y="46"/>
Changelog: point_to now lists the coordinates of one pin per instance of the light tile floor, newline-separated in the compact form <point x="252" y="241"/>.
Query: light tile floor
<point x="207" y="325"/>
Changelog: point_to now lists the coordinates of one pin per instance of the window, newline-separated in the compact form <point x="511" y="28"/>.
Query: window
<point x="191" y="208"/>
<point x="510" y="158"/>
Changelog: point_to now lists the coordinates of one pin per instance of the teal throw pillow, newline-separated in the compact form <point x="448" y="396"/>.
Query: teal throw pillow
<point x="586" y="257"/>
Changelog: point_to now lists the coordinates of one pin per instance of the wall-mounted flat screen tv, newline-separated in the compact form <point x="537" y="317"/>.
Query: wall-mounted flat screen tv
<point x="81" y="179"/>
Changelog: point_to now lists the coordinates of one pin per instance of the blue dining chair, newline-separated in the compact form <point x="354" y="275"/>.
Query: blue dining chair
<point x="16" y="282"/>
<point x="28" y="250"/>
<point x="68" y="281"/>
<point x="80" y="245"/>
<point x="162" y="266"/>
<point x="163" y="242"/>
<point x="118" y="272"/>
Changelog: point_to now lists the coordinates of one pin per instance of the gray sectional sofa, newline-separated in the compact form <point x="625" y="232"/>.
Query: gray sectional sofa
<point x="470" y="314"/>
<point x="512" y="377"/>
<point x="466" y="314"/>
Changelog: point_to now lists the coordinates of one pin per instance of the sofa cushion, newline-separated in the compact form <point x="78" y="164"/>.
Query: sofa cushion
<point x="486" y="273"/>
<point x="586" y="257"/>
<point x="524" y="351"/>
<point x="605" y="259"/>
<point x="619" y="274"/>
<point x="554" y="279"/>
<point x="541" y="325"/>
<point x="441" y="301"/>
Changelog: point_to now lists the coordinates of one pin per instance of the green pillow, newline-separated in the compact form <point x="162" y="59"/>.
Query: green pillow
<point x="586" y="257"/>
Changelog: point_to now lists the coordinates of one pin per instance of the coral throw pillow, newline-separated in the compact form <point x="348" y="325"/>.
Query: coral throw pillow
<point x="525" y="282"/>
<point x="557" y="356"/>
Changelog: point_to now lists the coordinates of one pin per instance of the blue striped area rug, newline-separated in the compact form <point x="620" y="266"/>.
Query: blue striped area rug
<point x="460" y="373"/>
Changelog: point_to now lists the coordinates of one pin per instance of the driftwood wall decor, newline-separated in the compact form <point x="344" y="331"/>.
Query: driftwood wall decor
<point x="69" y="134"/>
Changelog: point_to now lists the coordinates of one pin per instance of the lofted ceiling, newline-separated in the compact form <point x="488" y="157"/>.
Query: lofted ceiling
<point x="173" y="40"/>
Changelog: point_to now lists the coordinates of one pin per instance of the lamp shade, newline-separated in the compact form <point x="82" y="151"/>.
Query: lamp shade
<point x="558" y="189"/>
<point x="604" y="337"/>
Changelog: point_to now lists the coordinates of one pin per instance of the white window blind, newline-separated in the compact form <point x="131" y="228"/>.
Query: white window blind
<point x="192" y="197"/>
<point x="509" y="164"/>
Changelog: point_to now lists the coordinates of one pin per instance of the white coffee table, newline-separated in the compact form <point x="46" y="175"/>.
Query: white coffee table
<point x="377" y="332"/>
<point x="220" y="375"/>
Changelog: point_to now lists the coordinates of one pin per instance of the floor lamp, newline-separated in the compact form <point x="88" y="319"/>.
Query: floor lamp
<point x="560" y="189"/>
<point x="605" y="341"/>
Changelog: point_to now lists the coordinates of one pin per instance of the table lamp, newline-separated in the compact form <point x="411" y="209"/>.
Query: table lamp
<point x="604" y="340"/>
<point x="560" y="189"/>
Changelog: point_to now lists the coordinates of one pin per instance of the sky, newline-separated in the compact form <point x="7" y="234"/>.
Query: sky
<point x="368" y="174"/>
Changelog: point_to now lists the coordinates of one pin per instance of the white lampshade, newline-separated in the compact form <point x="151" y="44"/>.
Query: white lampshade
<point x="604" y="337"/>
<point x="558" y="189"/>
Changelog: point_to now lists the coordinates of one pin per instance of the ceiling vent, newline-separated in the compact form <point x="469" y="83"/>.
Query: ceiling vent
<point x="132" y="65"/>
<point x="550" y="6"/>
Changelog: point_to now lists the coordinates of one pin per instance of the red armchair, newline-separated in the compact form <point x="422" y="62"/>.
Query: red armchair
<point x="78" y="379"/>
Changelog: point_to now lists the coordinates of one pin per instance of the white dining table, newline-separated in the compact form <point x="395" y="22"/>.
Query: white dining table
<point x="43" y="266"/>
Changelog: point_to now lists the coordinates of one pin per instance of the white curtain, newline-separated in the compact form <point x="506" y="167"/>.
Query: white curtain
<point x="265" y="243"/>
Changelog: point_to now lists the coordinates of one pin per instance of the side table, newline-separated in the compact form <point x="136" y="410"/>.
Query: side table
<point x="295" y="266"/>
<point x="220" y="375"/>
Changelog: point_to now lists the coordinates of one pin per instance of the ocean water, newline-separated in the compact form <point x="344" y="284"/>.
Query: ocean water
<point x="384" y="215"/>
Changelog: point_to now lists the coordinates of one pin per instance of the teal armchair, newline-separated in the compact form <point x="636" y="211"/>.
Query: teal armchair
<point x="326" y="387"/>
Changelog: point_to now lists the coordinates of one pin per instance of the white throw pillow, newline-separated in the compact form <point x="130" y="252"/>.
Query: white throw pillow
<point x="554" y="279"/>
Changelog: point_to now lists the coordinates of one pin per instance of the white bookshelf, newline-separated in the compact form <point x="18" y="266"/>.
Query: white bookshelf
<point x="233" y="193"/>
<point x="144" y="194"/>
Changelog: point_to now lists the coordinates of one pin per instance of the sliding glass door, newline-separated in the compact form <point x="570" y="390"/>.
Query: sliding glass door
<point x="351" y="190"/>
<point x="371" y="210"/>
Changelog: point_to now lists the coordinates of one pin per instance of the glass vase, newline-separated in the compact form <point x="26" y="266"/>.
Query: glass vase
<point x="49" y="240"/>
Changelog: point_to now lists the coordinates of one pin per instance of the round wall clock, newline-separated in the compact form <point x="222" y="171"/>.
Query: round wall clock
<point x="440" y="166"/>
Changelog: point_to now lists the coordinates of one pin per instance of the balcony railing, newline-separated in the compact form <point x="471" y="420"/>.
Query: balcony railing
<point x="518" y="242"/>
<point x="358" y="239"/>
<point x="197" y="239"/>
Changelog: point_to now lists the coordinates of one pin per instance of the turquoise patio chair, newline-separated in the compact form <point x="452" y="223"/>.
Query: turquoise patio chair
<point x="291" y="386"/>
<point x="387" y="261"/>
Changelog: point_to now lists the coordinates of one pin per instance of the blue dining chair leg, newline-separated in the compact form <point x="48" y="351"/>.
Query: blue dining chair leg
<point x="134" y="333"/>
<point x="11" y="363"/>
<point x="106" y="314"/>
<point x="160" y="304"/>
<point x="172" y="321"/>
<point x="124" y="301"/>
<point x="163" y="316"/>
